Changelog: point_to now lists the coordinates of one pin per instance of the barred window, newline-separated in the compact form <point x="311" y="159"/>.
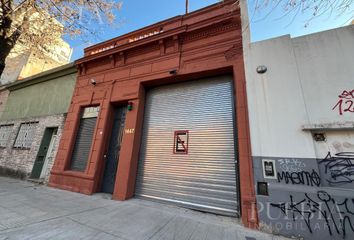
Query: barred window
<point x="5" y="132"/>
<point x="25" y="135"/>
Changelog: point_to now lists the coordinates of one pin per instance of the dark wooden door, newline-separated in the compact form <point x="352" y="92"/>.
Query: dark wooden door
<point x="42" y="152"/>
<point x="112" y="157"/>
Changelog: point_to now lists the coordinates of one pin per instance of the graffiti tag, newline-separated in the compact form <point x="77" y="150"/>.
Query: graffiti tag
<point x="302" y="177"/>
<point x="291" y="165"/>
<point x="336" y="214"/>
<point x="340" y="167"/>
<point x="345" y="102"/>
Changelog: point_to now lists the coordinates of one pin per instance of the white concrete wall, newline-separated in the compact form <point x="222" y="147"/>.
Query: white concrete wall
<point x="326" y="68"/>
<point x="287" y="104"/>
<point x="304" y="79"/>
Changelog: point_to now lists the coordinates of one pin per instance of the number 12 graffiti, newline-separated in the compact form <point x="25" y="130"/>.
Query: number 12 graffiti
<point x="345" y="102"/>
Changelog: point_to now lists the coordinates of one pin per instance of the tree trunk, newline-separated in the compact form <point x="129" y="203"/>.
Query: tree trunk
<point x="2" y="67"/>
<point x="7" y="40"/>
<point x="5" y="49"/>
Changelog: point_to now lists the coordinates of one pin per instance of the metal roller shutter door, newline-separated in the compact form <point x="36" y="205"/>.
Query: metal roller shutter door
<point x="83" y="144"/>
<point x="205" y="178"/>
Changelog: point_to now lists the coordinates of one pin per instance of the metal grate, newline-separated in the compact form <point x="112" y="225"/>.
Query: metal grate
<point x="5" y="132"/>
<point x="25" y="135"/>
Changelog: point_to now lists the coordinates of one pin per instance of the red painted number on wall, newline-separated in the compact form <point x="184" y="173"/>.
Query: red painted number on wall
<point x="345" y="102"/>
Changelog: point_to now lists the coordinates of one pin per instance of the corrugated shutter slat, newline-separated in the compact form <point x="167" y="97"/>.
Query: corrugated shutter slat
<point x="83" y="143"/>
<point x="205" y="178"/>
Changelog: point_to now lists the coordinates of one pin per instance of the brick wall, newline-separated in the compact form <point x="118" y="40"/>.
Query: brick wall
<point x="19" y="162"/>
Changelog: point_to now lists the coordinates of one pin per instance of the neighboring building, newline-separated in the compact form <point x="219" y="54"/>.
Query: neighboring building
<point x="23" y="62"/>
<point x="161" y="114"/>
<point x="60" y="55"/>
<point x="301" y="113"/>
<point x="32" y="122"/>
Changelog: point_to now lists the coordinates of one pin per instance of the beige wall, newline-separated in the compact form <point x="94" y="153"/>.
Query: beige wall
<point x="37" y="65"/>
<point x="21" y="63"/>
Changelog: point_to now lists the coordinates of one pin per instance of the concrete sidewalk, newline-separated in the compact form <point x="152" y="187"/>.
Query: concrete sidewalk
<point x="29" y="211"/>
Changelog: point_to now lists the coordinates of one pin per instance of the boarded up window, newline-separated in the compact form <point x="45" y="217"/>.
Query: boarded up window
<point x="5" y="132"/>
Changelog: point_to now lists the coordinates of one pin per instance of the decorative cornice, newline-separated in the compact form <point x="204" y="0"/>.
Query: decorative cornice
<point x="144" y="49"/>
<point x="136" y="44"/>
<point x="201" y="19"/>
<point x="211" y="30"/>
<point x="127" y="66"/>
<point x="234" y="51"/>
<point x="227" y="6"/>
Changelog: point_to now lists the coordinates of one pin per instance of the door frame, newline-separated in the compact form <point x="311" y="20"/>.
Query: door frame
<point x="51" y="149"/>
<point x="108" y="128"/>
<point x="50" y="131"/>
<point x="119" y="112"/>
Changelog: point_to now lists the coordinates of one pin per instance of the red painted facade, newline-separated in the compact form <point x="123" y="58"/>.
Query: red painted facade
<point x="204" y="43"/>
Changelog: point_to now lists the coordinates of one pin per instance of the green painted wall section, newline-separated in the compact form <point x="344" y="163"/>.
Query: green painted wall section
<point x="41" y="99"/>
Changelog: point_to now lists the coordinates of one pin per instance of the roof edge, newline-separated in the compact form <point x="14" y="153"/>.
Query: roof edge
<point x="43" y="76"/>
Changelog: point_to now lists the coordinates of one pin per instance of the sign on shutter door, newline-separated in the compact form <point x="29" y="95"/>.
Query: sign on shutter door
<point x="201" y="173"/>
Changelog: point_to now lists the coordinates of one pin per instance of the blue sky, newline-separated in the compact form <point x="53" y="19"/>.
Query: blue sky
<point x="136" y="14"/>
